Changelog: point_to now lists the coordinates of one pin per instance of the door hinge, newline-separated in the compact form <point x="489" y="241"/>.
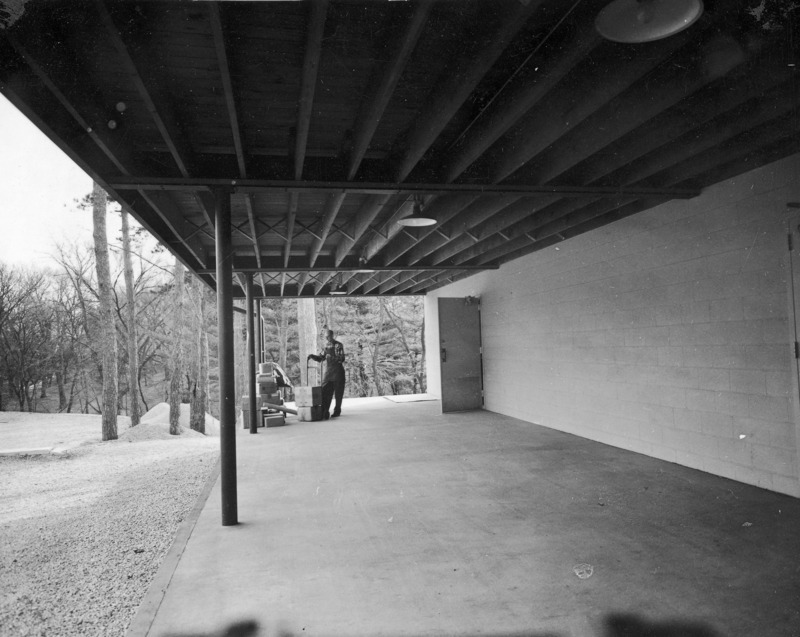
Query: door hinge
<point x="791" y="243"/>
<point x="797" y="350"/>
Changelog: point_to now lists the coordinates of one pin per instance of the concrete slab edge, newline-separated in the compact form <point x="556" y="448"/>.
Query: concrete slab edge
<point x="146" y="613"/>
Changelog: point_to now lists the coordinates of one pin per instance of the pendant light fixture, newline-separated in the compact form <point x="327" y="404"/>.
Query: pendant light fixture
<point x="636" y="21"/>
<point x="416" y="219"/>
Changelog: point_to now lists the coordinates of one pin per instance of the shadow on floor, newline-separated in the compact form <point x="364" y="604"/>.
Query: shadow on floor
<point x="615" y="625"/>
<point x="629" y="625"/>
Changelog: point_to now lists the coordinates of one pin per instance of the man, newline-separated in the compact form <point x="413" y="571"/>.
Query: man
<point x="333" y="380"/>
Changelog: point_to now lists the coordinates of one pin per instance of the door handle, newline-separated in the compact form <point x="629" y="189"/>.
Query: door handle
<point x="444" y="355"/>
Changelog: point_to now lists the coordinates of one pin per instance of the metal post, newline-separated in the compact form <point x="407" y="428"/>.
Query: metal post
<point x="259" y="333"/>
<point x="227" y="389"/>
<point x="251" y="357"/>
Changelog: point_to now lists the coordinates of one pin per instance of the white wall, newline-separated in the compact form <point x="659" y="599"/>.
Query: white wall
<point x="668" y="333"/>
<point x="433" y="364"/>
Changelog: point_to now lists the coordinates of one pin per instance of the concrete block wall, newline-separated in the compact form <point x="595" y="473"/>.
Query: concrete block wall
<point x="668" y="333"/>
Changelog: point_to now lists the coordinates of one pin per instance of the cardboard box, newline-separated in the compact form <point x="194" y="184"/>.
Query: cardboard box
<point x="307" y="414"/>
<point x="273" y="420"/>
<point x="307" y="396"/>
<point x="275" y="399"/>
<point x="267" y="387"/>
<point x="246" y="420"/>
<point x="266" y="368"/>
<point x="246" y="402"/>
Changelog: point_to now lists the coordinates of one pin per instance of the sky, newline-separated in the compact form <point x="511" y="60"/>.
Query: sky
<point x="38" y="184"/>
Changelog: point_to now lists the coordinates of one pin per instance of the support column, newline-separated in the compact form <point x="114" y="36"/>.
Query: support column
<point x="255" y="413"/>
<point x="227" y="387"/>
<point x="259" y="333"/>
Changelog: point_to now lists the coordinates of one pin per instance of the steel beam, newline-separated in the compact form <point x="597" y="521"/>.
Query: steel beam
<point x="274" y="265"/>
<point x="251" y="353"/>
<point x="227" y="390"/>
<point x="391" y="188"/>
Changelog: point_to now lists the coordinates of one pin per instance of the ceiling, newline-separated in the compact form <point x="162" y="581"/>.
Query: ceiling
<point x="514" y="123"/>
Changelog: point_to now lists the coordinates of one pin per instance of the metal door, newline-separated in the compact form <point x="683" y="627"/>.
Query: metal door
<point x="460" y="353"/>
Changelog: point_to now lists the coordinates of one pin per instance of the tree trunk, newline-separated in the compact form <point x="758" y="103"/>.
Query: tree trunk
<point x="145" y="407"/>
<point x="133" y="350"/>
<point x="283" y="335"/>
<point x="84" y="402"/>
<point x="177" y="354"/>
<point x="198" y="408"/>
<point x="30" y="395"/>
<point x="376" y="349"/>
<point x="423" y="379"/>
<point x="62" y="394"/>
<point x="306" y="336"/>
<point x="19" y="392"/>
<point x="363" y="379"/>
<point x="68" y="408"/>
<point x="108" y="336"/>
<point x="239" y="356"/>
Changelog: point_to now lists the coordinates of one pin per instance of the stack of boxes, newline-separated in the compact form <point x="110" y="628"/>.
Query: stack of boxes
<point x="309" y="403"/>
<point x="266" y="394"/>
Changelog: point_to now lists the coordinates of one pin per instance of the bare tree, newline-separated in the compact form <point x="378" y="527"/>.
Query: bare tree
<point x="133" y="346"/>
<point x="283" y="334"/>
<point x="68" y="353"/>
<point x="77" y="265"/>
<point x="108" y="332"/>
<point x="407" y="328"/>
<point x="17" y="289"/>
<point x="198" y="405"/>
<point x="376" y="376"/>
<point x="176" y="366"/>
<point x="26" y="336"/>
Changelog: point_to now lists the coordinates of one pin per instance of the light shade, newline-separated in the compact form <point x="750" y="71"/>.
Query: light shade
<point x="338" y="292"/>
<point x="416" y="219"/>
<point x="633" y="21"/>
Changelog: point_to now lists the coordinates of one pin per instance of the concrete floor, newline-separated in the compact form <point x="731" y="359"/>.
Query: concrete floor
<point x="398" y="520"/>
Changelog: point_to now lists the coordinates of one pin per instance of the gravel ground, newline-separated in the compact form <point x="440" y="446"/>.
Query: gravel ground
<point x="83" y="532"/>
